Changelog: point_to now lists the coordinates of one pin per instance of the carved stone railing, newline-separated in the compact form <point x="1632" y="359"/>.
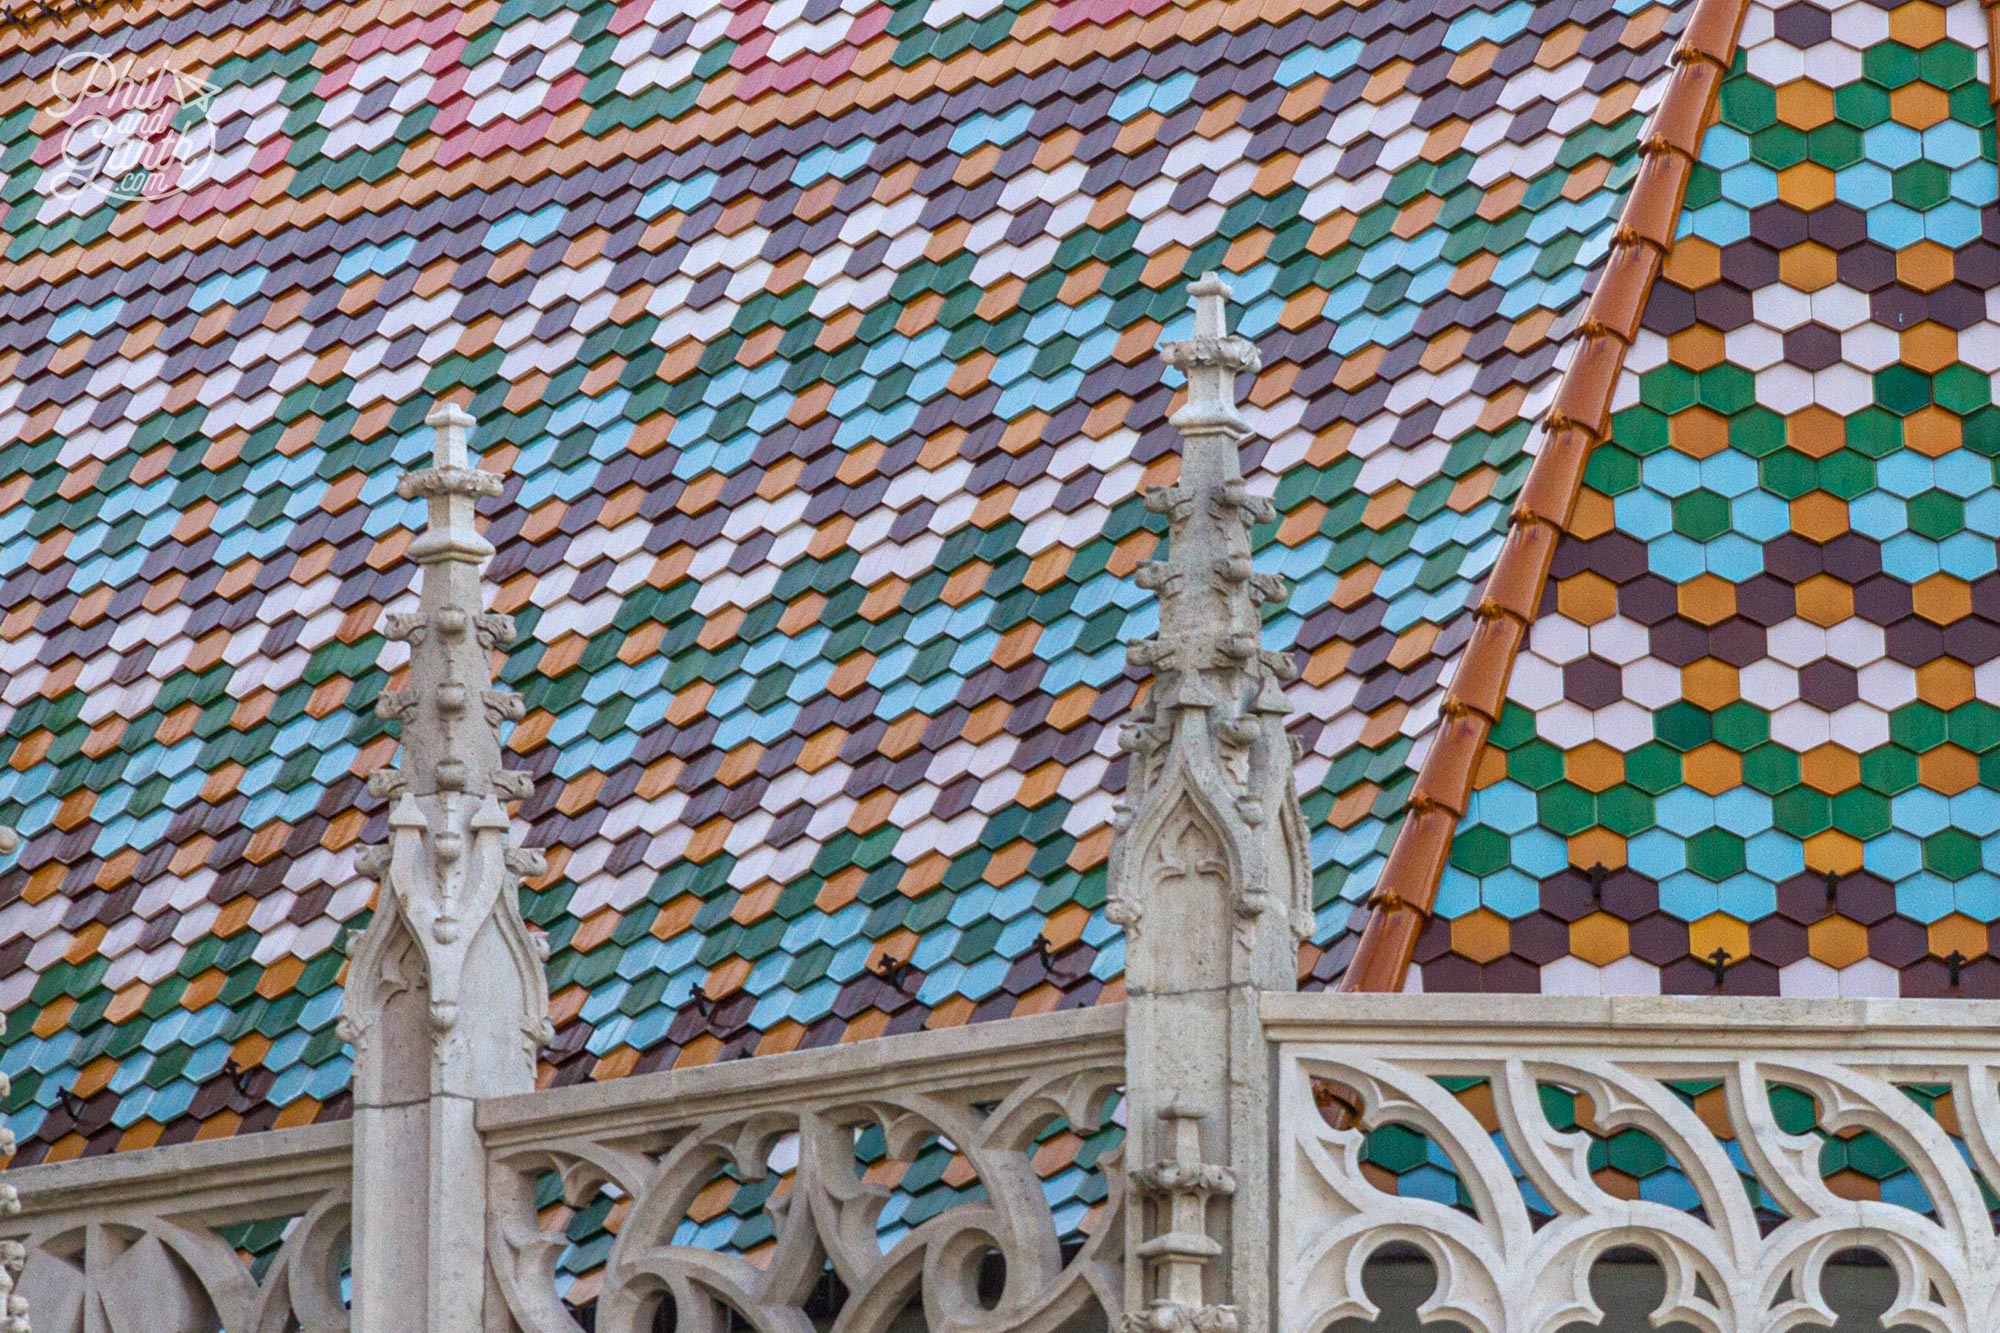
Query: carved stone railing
<point x="151" y="1241"/>
<point x="250" y="1235"/>
<point x="1751" y="1148"/>
<point x="1765" y="1125"/>
<point x="658" y="1142"/>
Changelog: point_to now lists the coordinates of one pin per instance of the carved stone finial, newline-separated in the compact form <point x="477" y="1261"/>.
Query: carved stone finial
<point x="447" y="998"/>
<point x="450" y="713"/>
<point x="1180" y="1187"/>
<point x="13" y="1258"/>
<point x="1208" y="870"/>
<point x="453" y="488"/>
<point x="1212" y="359"/>
<point x="451" y="427"/>
<point x="449" y="865"/>
<point x="1211" y="762"/>
<point x="1210" y="296"/>
<point x="13" y="1255"/>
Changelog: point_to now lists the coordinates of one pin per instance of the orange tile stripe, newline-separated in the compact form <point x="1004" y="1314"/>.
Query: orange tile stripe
<point x="1578" y="420"/>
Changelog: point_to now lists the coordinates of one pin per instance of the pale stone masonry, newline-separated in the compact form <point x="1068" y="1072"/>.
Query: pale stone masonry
<point x="1209" y="873"/>
<point x="447" y="999"/>
<point x="13" y="1255"/>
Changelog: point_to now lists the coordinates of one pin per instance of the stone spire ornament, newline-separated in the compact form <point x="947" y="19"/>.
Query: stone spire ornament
<point x="447" y="997"/>
<point x="13" y="1254"/>
<point x="1208" y="874"/>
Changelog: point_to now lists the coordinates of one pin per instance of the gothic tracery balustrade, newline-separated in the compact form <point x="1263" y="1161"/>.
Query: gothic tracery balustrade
<point x="1774" y="1138"/>
<point x="242" y="1236"/>
<point x="825" y="1140"/>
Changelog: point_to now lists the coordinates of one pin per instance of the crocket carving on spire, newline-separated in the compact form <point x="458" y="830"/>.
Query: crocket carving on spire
<point x="447" y="998"/>
<point x="1208" y="871"/>
<point x="1210" y="736"/>
<point x="449" y="869"/>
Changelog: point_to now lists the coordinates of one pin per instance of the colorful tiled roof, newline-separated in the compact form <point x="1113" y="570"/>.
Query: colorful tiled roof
<point x="1577" y="421"/>
<point x="816" y="344"/>
<point x="1629" y="1163"/>
<point x="1750" y="747"/>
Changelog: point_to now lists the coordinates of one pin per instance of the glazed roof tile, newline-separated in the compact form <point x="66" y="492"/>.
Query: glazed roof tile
<point x="1786" y="554"/>
<point x="818" y="355"/>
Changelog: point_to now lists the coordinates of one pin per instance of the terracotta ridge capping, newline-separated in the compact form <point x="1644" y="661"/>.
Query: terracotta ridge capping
<point x="1992" y="8"/>
<point x="1577" y="421"/>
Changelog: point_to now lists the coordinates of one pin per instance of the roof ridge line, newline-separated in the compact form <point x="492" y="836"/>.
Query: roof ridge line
<point x="1992" y="8"/>
<point x="1577" y="421"/>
